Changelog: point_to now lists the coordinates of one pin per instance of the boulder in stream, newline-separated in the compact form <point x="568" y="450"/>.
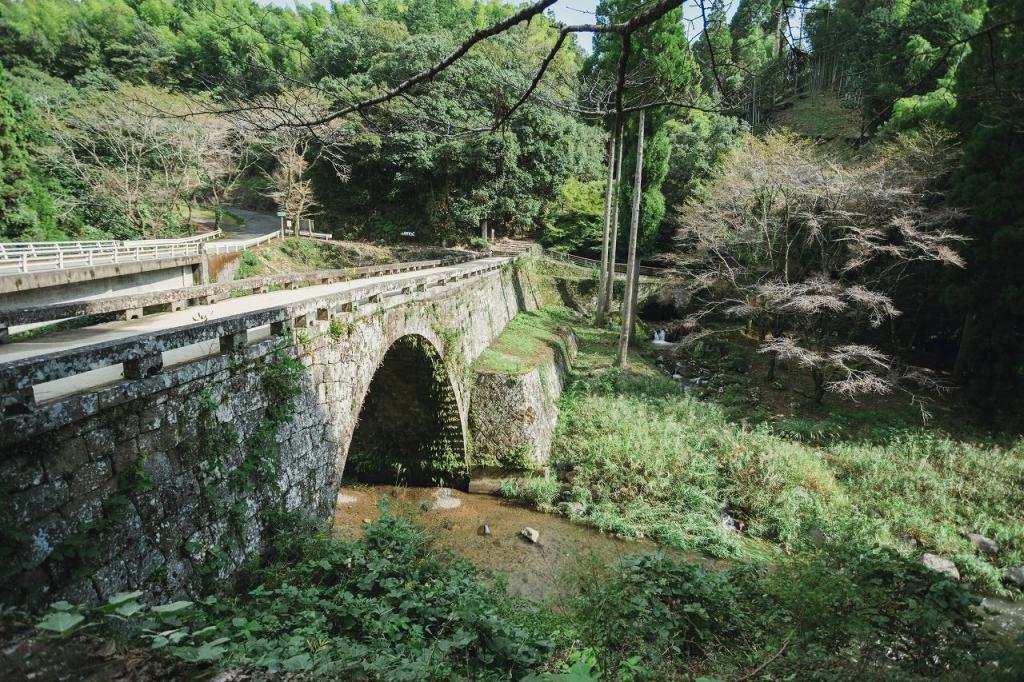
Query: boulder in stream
<point x="444" y="498"/>
<point x="573" y="509"/>
<point x="1015" y="577"/>
<point x="983" y="544"/>
<point x="940" y="565"/>
<point x="531" y="534"/>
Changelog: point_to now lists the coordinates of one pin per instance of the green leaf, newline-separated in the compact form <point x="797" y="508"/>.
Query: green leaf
<point x="173" y="607"/>
<point x="122" y="597"/>
<point x="128" y="610"/>
<point x="60" y="622"/>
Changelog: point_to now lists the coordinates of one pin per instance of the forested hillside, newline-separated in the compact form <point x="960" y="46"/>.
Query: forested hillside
<point x="129" y="118"/>
<point x="94" y="94"/>
<point x="788" y="448"/>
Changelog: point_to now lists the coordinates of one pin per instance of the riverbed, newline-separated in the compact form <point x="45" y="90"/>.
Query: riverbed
<point x="542" y="570"/>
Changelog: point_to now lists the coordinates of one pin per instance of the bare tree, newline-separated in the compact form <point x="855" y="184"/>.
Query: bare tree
<point x="290" y="186"/>
<point x="807" y="251"/>
<point x="225" y="159"/>
<point x="153" y="167"/>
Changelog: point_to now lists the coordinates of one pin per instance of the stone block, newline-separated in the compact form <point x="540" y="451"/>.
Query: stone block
<point x="89" y="477"/>
<point x="140" y="368"/>
<point x="37" y="502"/>
<point x="86" y="508"/>
<point x="165" y="439"/>
<point x="159" y="468"/>
<point x="150" y="419"/>
<point x="22" y="401"/>
<point x="45" y="536"/>
<point x="125" y="455"/>
<point x="21" y="474"/>
<point x="100" y="443"/>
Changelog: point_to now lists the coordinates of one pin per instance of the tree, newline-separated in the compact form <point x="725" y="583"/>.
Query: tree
<point x="628" y="300"/>
<point x="807" y="252"/>
<point x="290" y="185"/>
<point x="151" y="166"/>
<point x="26" y="208"/>
<point x="698" y="142"/>
<point x="987" y="301"/>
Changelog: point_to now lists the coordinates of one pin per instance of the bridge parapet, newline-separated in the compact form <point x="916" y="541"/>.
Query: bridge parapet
<point x="206" y="293"/>
<point x="142" y="356"/>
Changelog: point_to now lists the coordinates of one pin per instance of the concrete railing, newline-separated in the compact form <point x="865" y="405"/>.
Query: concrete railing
<point x="205" y="294"/>
<point x="16" y="258"/>
<point x="141" y="356"/>
<point x="596" y="264"/>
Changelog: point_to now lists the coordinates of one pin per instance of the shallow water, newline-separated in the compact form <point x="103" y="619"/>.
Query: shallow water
<point x="543" y="571"/>
<point x="1003" y="619"/>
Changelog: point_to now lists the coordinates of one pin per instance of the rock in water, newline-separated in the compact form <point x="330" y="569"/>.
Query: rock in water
<point x="941" y="565"/>
<point x="1015" y="576"/>
<point x="573" y="508"/>
<point x="983" y="544"/>
<point x="531" y="534"/>
<point x="445" y="499"/>
<point x="729" y="524"/>
<point x="483" y="530"/>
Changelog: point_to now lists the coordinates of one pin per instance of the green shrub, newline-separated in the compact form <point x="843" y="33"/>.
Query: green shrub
<point x="388" y="606"/>
<point x="250" y="265"/>
<point x="540" y="491"/>
<point x="842" y="613"/>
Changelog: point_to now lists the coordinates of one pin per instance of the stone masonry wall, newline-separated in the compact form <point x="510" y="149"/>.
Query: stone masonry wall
<point x="172" y="492"/>
<point x="513" y="416"/>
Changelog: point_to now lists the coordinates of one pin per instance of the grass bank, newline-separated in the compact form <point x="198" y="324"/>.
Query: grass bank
<point x="640" y="457"/>
<point x="528" y="341"/>
<point x="307" y="255"/>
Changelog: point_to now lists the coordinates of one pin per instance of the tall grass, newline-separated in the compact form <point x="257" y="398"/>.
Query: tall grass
<point x="645" y="459"/>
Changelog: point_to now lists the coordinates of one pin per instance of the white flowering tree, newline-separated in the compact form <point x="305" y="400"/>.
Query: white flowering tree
<point x="807" y="251"/>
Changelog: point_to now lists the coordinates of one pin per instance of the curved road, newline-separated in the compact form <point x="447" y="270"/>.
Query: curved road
<point x="256" y="225"/>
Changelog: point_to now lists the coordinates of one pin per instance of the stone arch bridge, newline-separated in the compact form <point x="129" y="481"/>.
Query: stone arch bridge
<point x="149" y="453"/>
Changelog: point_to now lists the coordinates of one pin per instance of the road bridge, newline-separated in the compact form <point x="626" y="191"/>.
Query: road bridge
<point x="150" y="453"/>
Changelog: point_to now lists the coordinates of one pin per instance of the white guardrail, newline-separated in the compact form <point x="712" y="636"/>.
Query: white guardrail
<point x="24" y="257"/>
<point x="236" y="245"/>
<point x="315" y="235"/>
<point x="645" y="270"/>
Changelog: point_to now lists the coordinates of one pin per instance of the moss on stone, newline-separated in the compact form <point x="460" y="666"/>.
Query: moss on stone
<point x="528" y="341"/>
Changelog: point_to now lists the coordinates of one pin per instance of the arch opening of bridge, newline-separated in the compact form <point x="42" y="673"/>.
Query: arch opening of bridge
<point x="409" y="430"/>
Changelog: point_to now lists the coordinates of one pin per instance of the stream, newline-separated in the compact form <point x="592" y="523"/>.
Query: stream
<point x="542" y="571"/>
<point x="550" y="568"/>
